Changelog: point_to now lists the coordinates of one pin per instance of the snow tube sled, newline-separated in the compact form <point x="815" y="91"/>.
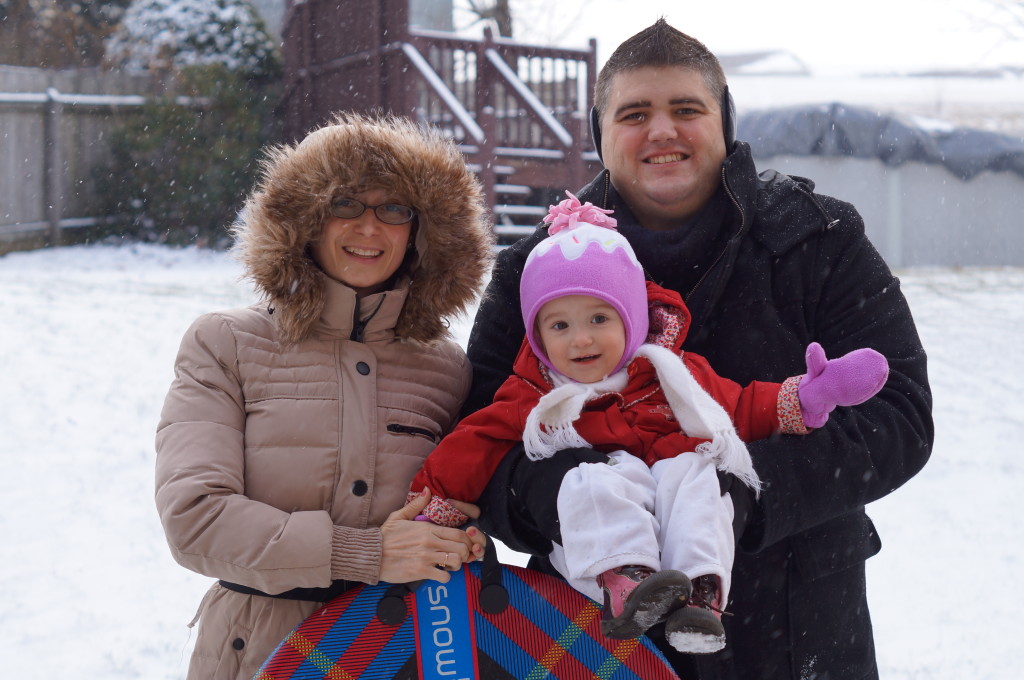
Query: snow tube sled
<point x="489" y="622"/>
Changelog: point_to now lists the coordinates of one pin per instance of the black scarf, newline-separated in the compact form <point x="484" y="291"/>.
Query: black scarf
<point x="678" y="258"/>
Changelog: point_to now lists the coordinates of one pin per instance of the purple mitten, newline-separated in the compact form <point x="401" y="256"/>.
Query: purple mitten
<point x="849" y="380"/>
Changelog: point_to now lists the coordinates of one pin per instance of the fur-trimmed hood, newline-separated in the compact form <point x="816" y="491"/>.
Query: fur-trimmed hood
<point x="286" y="212"/>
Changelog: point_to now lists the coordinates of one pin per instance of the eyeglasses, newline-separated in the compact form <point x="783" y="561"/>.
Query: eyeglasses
<point x="388" y="213"/>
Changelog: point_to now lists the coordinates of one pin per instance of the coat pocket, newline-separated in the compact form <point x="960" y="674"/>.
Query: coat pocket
<point x="414" y="431"/>
<point x="835" y="545"/>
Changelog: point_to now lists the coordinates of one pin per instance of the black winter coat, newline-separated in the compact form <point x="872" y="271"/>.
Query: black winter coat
<point x="795" y="268"/>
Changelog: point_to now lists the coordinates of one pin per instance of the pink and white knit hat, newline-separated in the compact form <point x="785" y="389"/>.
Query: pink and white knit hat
<point x="584" y="255"/>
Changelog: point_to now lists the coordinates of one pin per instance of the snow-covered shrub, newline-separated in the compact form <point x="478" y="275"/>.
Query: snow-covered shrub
<point x="173" y="34"/>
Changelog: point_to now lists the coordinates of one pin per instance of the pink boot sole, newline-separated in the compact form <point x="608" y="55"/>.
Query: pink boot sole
<point x="648" y="604"/>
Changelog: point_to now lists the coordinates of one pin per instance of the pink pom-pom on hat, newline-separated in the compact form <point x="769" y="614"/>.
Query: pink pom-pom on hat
<point x="584" y="255"/>
<point x="570" y="212"/>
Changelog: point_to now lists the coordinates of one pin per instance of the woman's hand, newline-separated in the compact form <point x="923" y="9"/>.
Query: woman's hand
<point x="413" y="550"/>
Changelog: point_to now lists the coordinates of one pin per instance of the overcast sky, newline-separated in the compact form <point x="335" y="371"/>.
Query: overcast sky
<point x="830" y="37"/>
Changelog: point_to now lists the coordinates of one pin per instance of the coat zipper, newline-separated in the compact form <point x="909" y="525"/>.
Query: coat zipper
<point x="359" y="327"/>
<point x="743" y="220"/>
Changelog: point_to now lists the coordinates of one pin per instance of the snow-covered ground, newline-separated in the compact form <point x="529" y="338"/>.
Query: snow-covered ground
<point x="88" y="587"/>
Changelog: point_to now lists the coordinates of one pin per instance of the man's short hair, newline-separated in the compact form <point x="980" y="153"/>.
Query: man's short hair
<point x="660" y="45"/>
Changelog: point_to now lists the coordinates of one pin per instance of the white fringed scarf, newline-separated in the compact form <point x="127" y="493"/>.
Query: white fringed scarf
<point x="549" y="426"/>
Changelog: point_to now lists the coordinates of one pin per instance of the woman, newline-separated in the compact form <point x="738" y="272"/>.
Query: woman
<point x="293" y="428"/>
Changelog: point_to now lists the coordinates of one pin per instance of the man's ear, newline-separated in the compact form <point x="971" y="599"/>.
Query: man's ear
<point x="728" y="119"/>
<point x="595" y="130"/>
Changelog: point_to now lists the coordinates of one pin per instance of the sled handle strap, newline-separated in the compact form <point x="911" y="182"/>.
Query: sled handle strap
<point x="493" y="595"/>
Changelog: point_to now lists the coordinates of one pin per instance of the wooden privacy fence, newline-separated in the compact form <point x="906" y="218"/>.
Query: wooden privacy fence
<point x="49" y="144"/>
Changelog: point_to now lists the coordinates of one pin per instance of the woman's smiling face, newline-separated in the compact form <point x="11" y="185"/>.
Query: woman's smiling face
<point x="362" y="252"/>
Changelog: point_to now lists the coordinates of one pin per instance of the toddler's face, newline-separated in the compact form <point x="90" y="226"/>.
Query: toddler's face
<point x="583" y="336"/>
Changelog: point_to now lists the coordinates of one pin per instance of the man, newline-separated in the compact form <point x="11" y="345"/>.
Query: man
<point x="766" y="266"/>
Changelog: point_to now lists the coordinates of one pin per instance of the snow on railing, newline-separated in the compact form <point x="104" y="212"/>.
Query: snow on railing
<point x="90" y="100"/>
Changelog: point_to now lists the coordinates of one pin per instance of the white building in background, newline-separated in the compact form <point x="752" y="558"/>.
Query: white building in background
<point x="993" y="103"/>
<point x="991" y="99"/>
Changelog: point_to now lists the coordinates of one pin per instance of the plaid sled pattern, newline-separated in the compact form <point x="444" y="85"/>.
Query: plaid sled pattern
<point x="548" y="631"/>
<point x="344" y="639"/>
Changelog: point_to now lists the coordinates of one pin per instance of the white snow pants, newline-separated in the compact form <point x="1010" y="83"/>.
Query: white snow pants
<point x="669" y="516"/>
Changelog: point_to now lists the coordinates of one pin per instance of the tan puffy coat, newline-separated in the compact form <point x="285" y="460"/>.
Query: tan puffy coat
<point x="284" y="443"/>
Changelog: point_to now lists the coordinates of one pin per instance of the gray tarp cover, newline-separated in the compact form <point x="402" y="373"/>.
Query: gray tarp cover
<point x="841" y="130"/>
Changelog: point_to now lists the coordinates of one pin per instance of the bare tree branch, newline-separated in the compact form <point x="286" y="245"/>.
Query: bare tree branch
<point x="497" y="11"/>
<point x="1007" y="16"/>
